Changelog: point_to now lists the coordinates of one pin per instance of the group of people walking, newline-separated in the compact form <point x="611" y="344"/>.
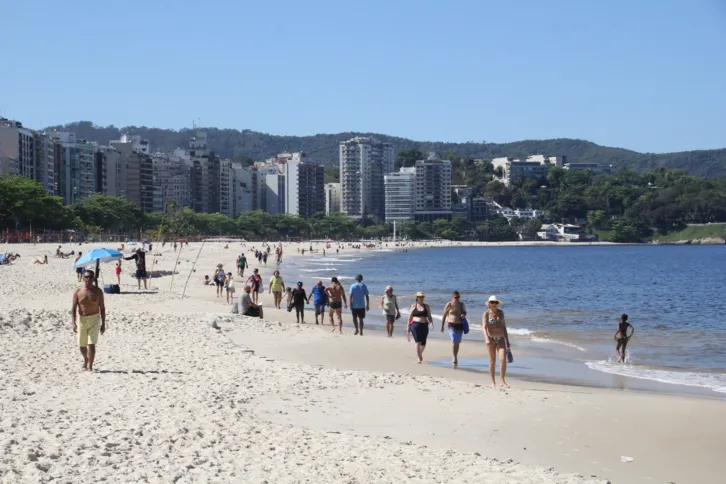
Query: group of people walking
<point x="335" y="298"/>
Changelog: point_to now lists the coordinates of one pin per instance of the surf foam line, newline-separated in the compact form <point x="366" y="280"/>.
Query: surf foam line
<point x="715" y="382"/>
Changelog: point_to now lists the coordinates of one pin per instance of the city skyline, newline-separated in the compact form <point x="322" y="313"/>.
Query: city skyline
<point x="642" y="76"/>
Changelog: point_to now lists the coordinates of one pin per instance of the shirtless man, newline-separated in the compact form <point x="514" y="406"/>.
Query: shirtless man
<point x="88" y="302"/>
<point x="453" y="312"/>
<point x="336" y="296"/>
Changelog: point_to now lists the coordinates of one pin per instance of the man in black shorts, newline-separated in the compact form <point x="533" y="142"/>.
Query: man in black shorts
<point x="336" y="297"/>
<point x="140" y="257"/>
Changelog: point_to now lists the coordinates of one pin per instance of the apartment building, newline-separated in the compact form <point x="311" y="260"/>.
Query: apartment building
<point x="304" y="185"/>
<point x="332" y="198"/>
<point x="45" y="162"/>
<point x="432" y="189"/>
<point x="74" y="166"/>
<point x="535" y="167"/>
<point x="363" y="164"/>
<point x="17" y="149"/>
<point x="399" y="190"/>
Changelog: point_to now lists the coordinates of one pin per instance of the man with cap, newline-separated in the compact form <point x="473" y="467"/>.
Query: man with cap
<point x="359" y="302"/>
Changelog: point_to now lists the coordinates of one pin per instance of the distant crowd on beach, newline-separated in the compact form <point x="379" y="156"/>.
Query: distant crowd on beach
<point x="328" y="300"/>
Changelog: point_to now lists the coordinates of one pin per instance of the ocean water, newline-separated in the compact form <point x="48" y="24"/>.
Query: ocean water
<point x="566" y="300"/>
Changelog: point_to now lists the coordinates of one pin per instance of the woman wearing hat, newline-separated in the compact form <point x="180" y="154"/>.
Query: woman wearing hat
<point x="418" y="323"/>
<point x="495" y="334"/>
<point x="389" y="304"/>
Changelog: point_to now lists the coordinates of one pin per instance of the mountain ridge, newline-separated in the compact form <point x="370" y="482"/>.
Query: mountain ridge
<point x="323" y="148"/>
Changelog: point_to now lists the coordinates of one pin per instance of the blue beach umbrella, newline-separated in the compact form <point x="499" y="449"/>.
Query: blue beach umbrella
<point x="98" y="256"/>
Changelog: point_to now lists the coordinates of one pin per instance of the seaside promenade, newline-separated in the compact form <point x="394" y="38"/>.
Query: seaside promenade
<point x="175" y="400"/>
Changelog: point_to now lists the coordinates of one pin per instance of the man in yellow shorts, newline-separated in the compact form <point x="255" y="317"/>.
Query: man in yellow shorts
<point x="88" y="303"/>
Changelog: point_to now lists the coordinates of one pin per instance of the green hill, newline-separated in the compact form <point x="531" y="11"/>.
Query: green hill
<point x="323" y="148"/>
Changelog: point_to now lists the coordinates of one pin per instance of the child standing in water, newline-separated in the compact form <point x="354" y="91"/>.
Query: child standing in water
<point x="622" y="337"/>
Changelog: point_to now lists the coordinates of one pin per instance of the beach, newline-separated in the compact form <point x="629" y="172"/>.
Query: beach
<point x="185" y="391"/>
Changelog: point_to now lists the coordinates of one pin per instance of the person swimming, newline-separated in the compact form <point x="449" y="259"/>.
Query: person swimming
<point x="622" y="337"/>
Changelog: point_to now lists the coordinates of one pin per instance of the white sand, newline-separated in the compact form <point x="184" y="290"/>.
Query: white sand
<point x="173" y="400"/>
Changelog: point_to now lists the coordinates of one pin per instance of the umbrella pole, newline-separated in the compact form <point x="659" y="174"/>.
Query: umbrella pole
<point x="95" y="275"/>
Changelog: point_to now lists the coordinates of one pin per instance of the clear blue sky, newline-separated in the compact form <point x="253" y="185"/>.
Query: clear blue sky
<point x="648" y="75"/>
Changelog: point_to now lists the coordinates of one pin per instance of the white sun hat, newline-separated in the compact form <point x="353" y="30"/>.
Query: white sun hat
<point x="496" y="300"/>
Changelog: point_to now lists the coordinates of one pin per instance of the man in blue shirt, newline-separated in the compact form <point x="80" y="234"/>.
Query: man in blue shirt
<point x="358" y="302"/>
<point x="319" y="301"/>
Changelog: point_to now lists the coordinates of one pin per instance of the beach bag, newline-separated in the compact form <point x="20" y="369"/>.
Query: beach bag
<point x="235" y="308"/>
<point x="510" y="358"/>
<point x="115" y="289"/>
<point x="465" y="324"/>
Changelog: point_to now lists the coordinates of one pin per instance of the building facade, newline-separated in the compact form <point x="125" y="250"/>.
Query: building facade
<point x="332" y="198"/>
<point x="75" y="167"/>
<point x="399" y="189"/>
<point x="535" y="167"/>
<point x="17" y="149"/>
<point x="304" y="185"/>
<point x="363" y="164"/>
<point x="432" y="189"/>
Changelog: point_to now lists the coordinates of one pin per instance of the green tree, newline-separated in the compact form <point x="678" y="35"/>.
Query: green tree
<point x="408" y="158"/>
<point x="25" y="203"/>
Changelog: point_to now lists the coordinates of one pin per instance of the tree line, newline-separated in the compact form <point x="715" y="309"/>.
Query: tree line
<point x="630" y="206"/>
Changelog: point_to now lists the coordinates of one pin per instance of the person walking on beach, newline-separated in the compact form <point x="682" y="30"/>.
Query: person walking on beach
<point x="389" y="304"/>
<point x="229" y="286"/>
<point x="79" y="270"/>
<point x="241" y="265"/>
<point x="337" y="300"/>
<point x="453" y="312"/>
<point x="88" y="303"/>
<point x="622" y="337"/>
<point x="219" y="277"/>
<point x="495" y="333"/>
<point x="255" y="282"/>
<point x="299" y="299"/>
<point x="247" y="307"/>
<point x="320" y="300"/>
<point x="277" y="286"/>
<point x="359" y="302"/>
<point x="140" y="258"/>
<point x="418" y="323"/>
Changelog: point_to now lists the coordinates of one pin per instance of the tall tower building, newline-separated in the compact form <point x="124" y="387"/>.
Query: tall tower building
<point x="304" y="186"/>
<point x="363" y="164"/>
<point x="432" y="189"/>
<point x="400" y="194"/>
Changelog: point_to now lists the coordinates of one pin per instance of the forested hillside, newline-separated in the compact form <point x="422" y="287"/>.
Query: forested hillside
<point x="323" y="148"/>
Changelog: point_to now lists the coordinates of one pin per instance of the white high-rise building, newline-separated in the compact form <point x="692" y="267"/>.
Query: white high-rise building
<point x="363" y="164"/>
<point x="400" y="194"/>
<point x="269" y="188"/>
<point x="332" y="198"/>
<point x="432" y="189"/>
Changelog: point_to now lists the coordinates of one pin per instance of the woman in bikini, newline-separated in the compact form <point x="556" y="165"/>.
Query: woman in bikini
<point x="497" y="338"/>
<point x="622" y="337"/>
<point x="418" y="324"/>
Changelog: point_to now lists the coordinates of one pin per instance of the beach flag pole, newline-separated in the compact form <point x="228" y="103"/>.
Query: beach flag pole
<point x="173" y="269"/>
<point x="193" y="266"/>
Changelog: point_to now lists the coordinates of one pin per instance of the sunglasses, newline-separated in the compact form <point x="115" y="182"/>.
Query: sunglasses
<point x="494" y="302"/>
<point x="456" y="297"/>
